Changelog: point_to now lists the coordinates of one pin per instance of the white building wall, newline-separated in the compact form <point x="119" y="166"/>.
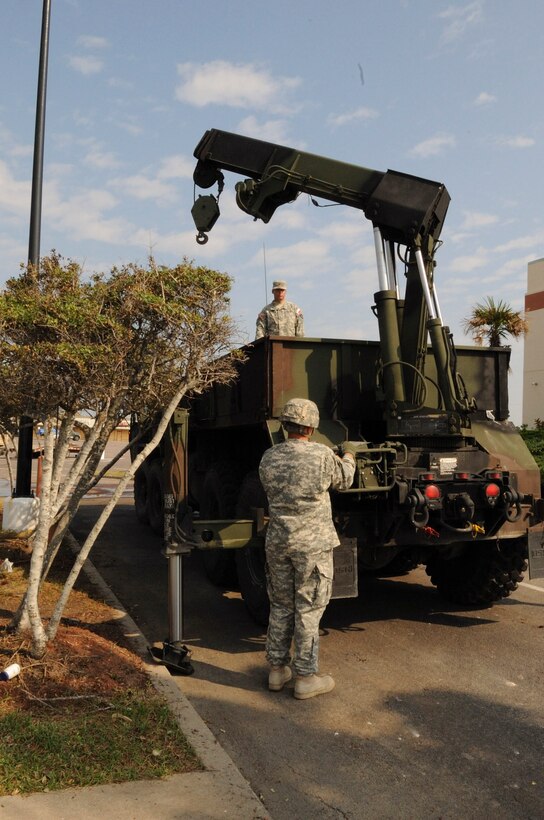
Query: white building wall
<point x="533" y="354"/>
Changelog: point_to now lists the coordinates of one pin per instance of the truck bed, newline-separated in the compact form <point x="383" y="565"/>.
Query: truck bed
<point x="340" y="377"/>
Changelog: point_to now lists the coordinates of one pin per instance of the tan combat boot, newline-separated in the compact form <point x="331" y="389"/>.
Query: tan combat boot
<point x="278" y="677"/>
<point x="308" y="686"/>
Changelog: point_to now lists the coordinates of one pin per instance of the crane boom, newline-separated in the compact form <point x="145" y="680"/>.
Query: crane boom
<point x="403" y="209"/>
<point x="406" y="209"/>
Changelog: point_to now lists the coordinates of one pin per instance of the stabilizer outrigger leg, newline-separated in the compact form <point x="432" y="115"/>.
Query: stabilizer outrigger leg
<point x="173" y="653"/>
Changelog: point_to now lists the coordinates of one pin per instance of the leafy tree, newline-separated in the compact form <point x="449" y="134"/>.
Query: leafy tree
<point x="135" y="340"/>
<point x="493" y="322"/>
<point x="534" y="439"/>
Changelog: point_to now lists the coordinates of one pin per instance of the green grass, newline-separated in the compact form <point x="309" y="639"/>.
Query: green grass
<point x="129" y="738"/>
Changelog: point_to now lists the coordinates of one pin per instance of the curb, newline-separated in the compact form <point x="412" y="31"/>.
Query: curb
<point x="212" y="756"/>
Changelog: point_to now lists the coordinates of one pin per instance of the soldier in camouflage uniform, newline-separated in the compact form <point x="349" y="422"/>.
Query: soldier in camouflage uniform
<point x="280" y="318"/>
<point x="297" y="476"/>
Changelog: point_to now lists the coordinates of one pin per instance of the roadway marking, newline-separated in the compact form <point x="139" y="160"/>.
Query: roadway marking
<point x="530" y="586"/>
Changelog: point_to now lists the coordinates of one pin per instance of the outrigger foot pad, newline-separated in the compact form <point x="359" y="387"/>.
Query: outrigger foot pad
<point x="174" y="655"/>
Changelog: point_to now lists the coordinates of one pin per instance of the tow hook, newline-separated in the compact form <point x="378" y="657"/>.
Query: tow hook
<point x="419" y="512"/>
<point x="464" y="507"/>
<point x="512" y="504"/>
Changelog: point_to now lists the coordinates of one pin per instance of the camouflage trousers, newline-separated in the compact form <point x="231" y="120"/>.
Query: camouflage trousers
<point x="299" y="588"/>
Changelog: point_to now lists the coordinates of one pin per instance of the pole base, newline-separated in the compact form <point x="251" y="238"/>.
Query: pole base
<point x="174" y="655"/>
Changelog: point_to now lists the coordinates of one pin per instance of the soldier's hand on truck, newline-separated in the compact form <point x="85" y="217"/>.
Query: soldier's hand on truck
<point x="349" y="448"/>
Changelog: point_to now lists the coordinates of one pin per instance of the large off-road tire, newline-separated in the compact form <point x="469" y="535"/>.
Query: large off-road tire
<point x="402" y="564"/>
<point x="482" y="574"/>
<point x="140" y="495"/>
<point x="155" y="497"/>
<point x="218" y="500"/>
<point x="250" y="561"/>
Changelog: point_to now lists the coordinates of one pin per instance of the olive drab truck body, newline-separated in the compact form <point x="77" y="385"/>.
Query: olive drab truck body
<point x="443" y="478"/>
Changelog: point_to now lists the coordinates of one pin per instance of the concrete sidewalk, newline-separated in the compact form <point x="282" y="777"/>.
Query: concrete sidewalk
<point x="219" y="791"/>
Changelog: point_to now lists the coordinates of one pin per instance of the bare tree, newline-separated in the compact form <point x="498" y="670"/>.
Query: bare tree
<point x="135" y="340"/>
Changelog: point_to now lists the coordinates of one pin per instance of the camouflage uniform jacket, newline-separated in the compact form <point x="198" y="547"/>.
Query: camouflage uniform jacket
<point x="280" y="319"/>
<point x="297" y="476"/>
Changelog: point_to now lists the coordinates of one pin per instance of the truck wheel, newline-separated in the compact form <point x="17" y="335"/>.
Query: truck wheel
<point x="140" y="495"/>
<point x="155" y="498"/>
<point x="219" y="493"/>
<point x="250" y="561"/>
<point x="484" y="573"/>
<point x="402" y="564"/>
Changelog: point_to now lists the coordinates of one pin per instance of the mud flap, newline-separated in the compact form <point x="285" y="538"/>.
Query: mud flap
<point x="345" y="582"/>
<point x="535" y="547"/>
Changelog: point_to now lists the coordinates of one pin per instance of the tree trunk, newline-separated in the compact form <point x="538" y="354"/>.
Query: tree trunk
<point x="107" y="510"/>
<point x="39" y="546"/>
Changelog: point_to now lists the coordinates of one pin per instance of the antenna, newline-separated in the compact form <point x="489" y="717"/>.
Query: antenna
<point x="265" y="280"/>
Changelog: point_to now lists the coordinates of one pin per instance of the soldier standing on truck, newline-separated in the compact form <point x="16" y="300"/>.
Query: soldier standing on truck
<point x="297" y="476"/>
<point x="280" y="317"/>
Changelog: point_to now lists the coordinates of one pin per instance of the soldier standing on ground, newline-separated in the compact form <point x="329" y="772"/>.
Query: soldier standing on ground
<point x="297" y="476"/>
<point x="280" y="317"/>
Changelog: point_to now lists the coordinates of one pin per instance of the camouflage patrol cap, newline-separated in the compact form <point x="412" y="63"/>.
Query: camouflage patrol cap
<point x="279" y="284"/>
<point x="301" y="411"/>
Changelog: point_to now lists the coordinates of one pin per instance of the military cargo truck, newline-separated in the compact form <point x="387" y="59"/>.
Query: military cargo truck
<point x="443" y="478"/>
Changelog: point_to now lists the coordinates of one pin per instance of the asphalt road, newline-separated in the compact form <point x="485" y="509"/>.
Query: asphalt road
<point x="437" y="713"/>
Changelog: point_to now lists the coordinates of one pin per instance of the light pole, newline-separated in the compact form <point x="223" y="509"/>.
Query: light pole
<point x="24" y="450"/>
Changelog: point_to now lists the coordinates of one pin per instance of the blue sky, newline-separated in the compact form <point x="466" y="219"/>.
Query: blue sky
<point x="447" y="91"/>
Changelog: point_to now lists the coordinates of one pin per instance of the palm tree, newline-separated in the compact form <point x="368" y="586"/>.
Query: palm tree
<point x="494" y="321"/>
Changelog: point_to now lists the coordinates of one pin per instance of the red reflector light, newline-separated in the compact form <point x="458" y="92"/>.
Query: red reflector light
<point x="495" y="476"/>
<point x="492" y="491"/>
<point x="462" y="476"/>
<point x="427" y="477"/>
<point x="432" y="492"/>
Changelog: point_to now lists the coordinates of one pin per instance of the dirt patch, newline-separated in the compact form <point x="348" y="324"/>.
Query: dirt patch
<point x="89" y="657"/>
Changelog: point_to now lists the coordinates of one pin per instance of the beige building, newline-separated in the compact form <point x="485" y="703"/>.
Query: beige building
<point x="533" y="357"/>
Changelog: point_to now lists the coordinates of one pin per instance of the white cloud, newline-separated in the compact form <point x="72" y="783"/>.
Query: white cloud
<point x="12" y="253"/>
<point x="458" y="19"/>
<point x="121" y="83"/>
<point x="153" y="242"/>
<point x="349" y="231"/>
<point x="82" y="119"/>
<point x="14" y="195"/>
<point x="59" y="169"/>
<point x="86" y="65"/>
<point x="21" y="151"/>
<point x="522" y="243"/>
<point x="5" y="134"/>
<point x="466" y="264"/>
<point x="83" y="215"/>
<point x="89" y="41"/>
<point x="289" y="219"/>
<point x="269" y="130"/>
<point x="473" y="219"/>
<point x="242" y="85"/>
<point x="514" y="268"/>
<point x="363" y="113"/>
<point x="364" y="258"/>
<point x="485" y="99"/>
<point x="298" y="261"/>
<point x="12" y="146"/>
<point x="433" y="146"/>
<point x="141" y="186"/>
<point x="516" y="142"/>
<point x="176" y="167"/>
<point x="361" y="282"/>
<point x="106" y="160"/>
<point x="130" y="125"/>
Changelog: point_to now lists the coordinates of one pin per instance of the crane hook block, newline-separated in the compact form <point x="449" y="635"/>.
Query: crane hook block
<point x="205" y="213"/>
